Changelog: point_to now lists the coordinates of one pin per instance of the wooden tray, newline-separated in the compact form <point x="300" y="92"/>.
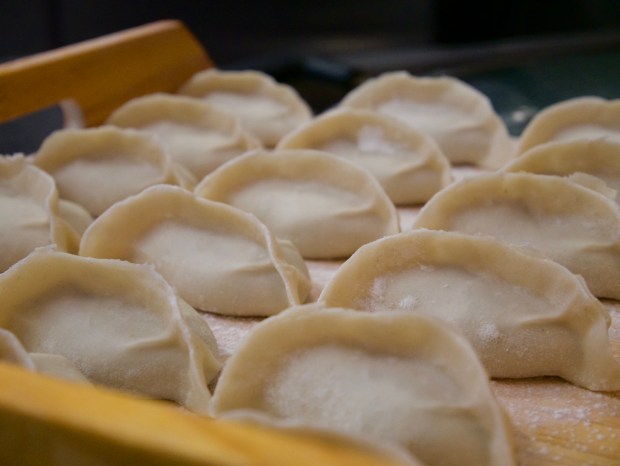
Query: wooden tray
<point x="555" y="423"/>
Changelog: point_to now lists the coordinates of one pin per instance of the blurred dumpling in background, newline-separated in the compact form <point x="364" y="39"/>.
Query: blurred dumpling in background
<point x="196" y="135"/>
<point x="578" y="118"/>
<point x="459" y="118"/>
<point x="267" y="109"/>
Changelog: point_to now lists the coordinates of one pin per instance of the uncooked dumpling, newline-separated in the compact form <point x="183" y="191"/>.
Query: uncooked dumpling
<point x="571" y="224"/>
<point x="326" y="206"/>
<point x="197" y="135"/>
<point x="400" y="378"/>
<point x="121" y="324"/>
<point x="407" y="163"/>
<point x="219" y="258"/>
<point x="100" y="166"/>
<point x="525" y="315"/>
<point x="29" y="212"/>
<point x="459" y="118"/>
<point x="579" y="118"/>
<point x="580" y="160"/>
<point x="266" y="108"/>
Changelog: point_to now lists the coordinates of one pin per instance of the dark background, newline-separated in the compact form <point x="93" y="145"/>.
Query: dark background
<point x="234" y="31"/>
<point x="524" y="55"/>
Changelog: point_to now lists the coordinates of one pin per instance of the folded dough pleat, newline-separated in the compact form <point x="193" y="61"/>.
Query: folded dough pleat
<point x="407" y="380"/>
<point x="566" y="222"/>
<point x="29" y="212"/>
<point x="119" y="323"/>
<point x="526" y="316"/>
<point x="219" y="259"/>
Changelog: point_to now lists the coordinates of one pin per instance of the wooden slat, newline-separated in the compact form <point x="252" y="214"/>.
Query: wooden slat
<point x="102" y="73"/>
<point x="52" y="422"/>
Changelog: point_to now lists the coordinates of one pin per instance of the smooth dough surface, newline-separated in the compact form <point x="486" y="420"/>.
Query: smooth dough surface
<point x="97" y="167"/>
<point x="458" y="117"/>
<point x="525" y="315"/>
<point x="29" y="212"/>
<point x="266" y="108"/>
<point x="566" y="222"/>
<point x="326" y="206"/>
<point x="578" y="118"/>
<point x="197" y="135"/>
<point x="407" y="163"/>
<point x="119" y="323"/>
<point x="219" y="258"/>
<point x="406" y="380"/>
<point x="597" y="158"/>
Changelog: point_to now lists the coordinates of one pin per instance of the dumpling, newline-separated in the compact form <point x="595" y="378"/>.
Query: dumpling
<point x="526" y="316"/>
<point x="121" y="324"/>
<point x="326" y="206"/>
<point x="407" y="163"/>
<point x="580" y="160"/>
<point x="573" y="225"/>
<point x="218" y="258"/>
<point x="196" y="135"/>
<point x="99" y="166"/>
<point x="403" y="379"/>
<point x="579" y="118"/>
<point x="29" y="212"/>
<point x="266" y="108"/>
<point x="458" y="117"/>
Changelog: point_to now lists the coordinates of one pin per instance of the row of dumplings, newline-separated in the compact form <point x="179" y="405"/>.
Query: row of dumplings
<point x="408" y="378"/>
